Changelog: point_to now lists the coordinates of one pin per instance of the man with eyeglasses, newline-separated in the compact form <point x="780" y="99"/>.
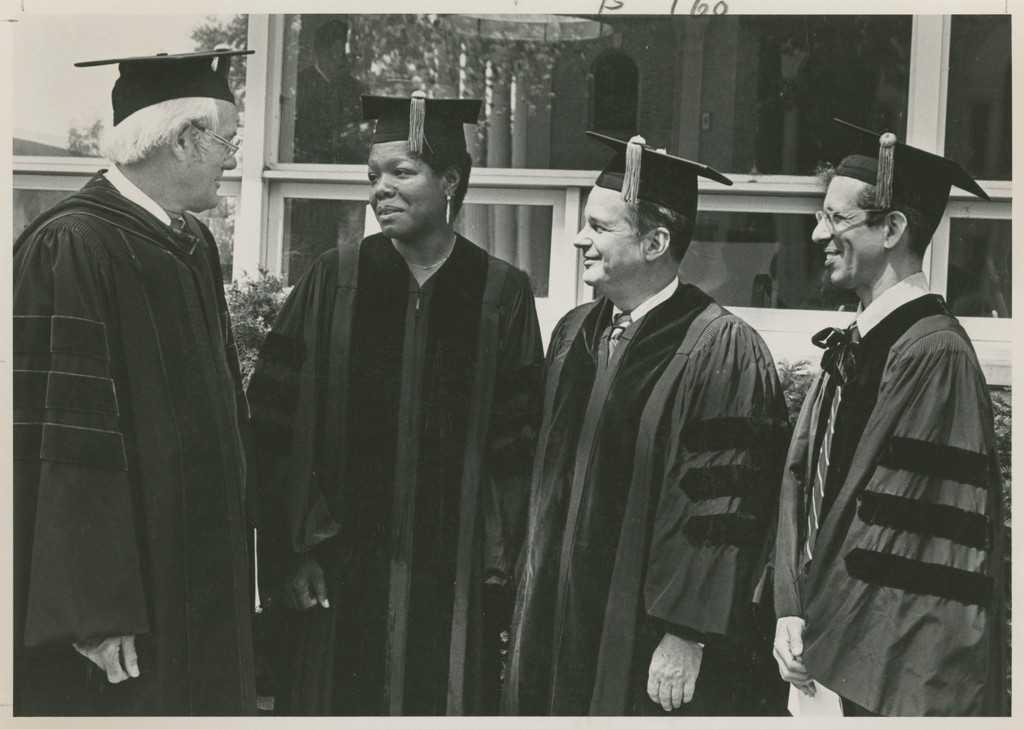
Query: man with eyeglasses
<point x="889" y="563"/>
<point x="131" y="548"/>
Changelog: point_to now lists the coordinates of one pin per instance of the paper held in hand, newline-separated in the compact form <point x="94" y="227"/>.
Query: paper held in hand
<point x="825" y="702"/>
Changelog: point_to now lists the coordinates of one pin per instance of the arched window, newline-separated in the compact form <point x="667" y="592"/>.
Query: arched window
<point x="615" y="92"/>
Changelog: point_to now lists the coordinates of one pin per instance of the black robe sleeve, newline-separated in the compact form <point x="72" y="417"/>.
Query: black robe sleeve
<point x="283" y="400"/>
<point x="513" y="429"/>
<point x="76" y="534"/>
<point x="904" y="609"/>
<point x="720" y="487"/>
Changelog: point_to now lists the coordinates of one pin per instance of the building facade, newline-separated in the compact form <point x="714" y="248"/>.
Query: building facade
<point x="751" y="95"/>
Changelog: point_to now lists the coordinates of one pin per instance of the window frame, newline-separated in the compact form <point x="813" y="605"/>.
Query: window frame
<point x="261" y="183"/>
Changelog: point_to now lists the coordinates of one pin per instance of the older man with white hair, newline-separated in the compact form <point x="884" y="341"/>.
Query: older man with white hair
<point x="132" y="587"/>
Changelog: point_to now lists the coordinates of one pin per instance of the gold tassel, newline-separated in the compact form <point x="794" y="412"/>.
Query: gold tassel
<point x="631" y="177"/>
<point x="886" y="170"/>
<point x="417" y="119"/>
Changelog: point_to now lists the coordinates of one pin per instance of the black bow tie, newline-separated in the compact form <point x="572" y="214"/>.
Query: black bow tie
<point x="840" y="357"/>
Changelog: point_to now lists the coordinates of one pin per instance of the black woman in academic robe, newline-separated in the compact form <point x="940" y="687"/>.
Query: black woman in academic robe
<point x="395" y="408"/>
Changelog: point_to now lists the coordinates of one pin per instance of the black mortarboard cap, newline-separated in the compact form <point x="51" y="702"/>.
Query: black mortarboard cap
<point x="903" y="175"/>
<point x="640" y="172"/>
<point x="148" y="80"/>
<point x="432" y="123"/>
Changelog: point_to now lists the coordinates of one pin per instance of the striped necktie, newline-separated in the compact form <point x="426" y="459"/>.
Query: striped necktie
<point x="817" y="495"/>
<point x="820" y="477"/>
<point x="609" y="340"/>
<point x="617" y="327"/>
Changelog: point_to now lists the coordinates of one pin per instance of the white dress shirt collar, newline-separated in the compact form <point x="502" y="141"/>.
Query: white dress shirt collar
<point x="912" y="287"/>
<point x="659" y="298"/>
<point x="131" y="191"/>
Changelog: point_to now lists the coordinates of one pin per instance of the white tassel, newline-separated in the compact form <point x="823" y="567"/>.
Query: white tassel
<point x="631" y="177"/>
<point x="417" y="119"/>
<point x="886" y="170"/>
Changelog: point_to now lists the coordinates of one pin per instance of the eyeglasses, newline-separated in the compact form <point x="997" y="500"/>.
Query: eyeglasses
<point x="836" y="228"/>
<point x="230" y="146"/>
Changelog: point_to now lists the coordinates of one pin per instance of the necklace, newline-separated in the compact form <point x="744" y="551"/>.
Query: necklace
<point x="437" y="264"/>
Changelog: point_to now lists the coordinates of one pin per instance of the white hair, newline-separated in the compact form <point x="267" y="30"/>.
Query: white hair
<point x="151" y="127"/>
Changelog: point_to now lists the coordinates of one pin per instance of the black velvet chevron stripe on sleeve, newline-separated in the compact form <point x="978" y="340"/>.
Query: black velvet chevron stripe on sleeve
<point x="936" y="520"/>
<point x="711" y="482"/>
<point x="938" y="460"/>
<point x="737" y="528"/>
<point x="719" y="434"/>
<point x="65" y="402"/>
<point x="924" y="578"/>
<point x="61" y="334"/>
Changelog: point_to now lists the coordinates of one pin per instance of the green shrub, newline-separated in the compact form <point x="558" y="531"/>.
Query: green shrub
<point x="253" y="304"/>
<point x="796" y="378"/>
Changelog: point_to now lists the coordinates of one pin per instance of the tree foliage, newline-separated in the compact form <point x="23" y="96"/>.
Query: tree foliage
<point x="216" y="32"/>
<point x="84" y="141"/>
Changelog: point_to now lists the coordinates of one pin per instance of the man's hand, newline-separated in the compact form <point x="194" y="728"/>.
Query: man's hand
<point x="107" y="653"/>
<point x="306" y="587"/>
<point x="789" y="650"/>
<point x="673" y="672"/>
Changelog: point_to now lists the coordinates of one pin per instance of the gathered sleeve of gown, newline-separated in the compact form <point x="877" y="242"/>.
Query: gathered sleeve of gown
<point x="78" y="556"/>
<point x="515" y="420"/>
<point x="283" y="403"/>
<point x="920" y="588"/>
<point x="720" y="486"/>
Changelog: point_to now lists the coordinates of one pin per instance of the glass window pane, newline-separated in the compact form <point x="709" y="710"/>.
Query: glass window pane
<point x="519" y="234"/>
<point x="979" y="110"/>
<point x="980" y="268"/>
<point x="313" y="227"/>
<point x="30" y="204"/>
<point x="743" y="93"/>
<point x="62" y="110"/>
<point x="763" y="260"/>
<point x="221" y="222"/>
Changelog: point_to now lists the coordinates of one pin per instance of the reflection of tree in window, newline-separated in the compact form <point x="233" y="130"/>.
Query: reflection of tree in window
<point x="813" y="68"/>
<point x="979" y="279"/>
<point x="615" y="93"/>
<point x="738" y="258"/>
<point x="978" y="116"/>
<point x="327" y="109"/>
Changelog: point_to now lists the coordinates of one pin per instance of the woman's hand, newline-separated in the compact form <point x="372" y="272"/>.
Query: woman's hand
<point x="306" y="587"/>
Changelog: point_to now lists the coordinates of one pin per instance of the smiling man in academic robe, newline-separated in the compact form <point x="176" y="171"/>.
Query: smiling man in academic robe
<point x="653" y="482"/>
<point x="132" y="587"/>
<point x="889" y="573"/>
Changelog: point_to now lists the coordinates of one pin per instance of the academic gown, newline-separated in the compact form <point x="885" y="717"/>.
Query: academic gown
<point x="129" y="467"/>
<point x="652" y="486"/>
<point x="903" y="599"/>
<point x="395" y="426"/>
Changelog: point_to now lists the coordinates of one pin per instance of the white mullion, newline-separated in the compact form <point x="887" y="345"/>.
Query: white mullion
<point x="926" y="119"/>
<point x="562" y="295"/>
<point x="274" y="249"/>
<point x="936" y="258"/>
<point x="249" y="228"/>
<point x="275" y="64"/>
<point x="929" y="78"/>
